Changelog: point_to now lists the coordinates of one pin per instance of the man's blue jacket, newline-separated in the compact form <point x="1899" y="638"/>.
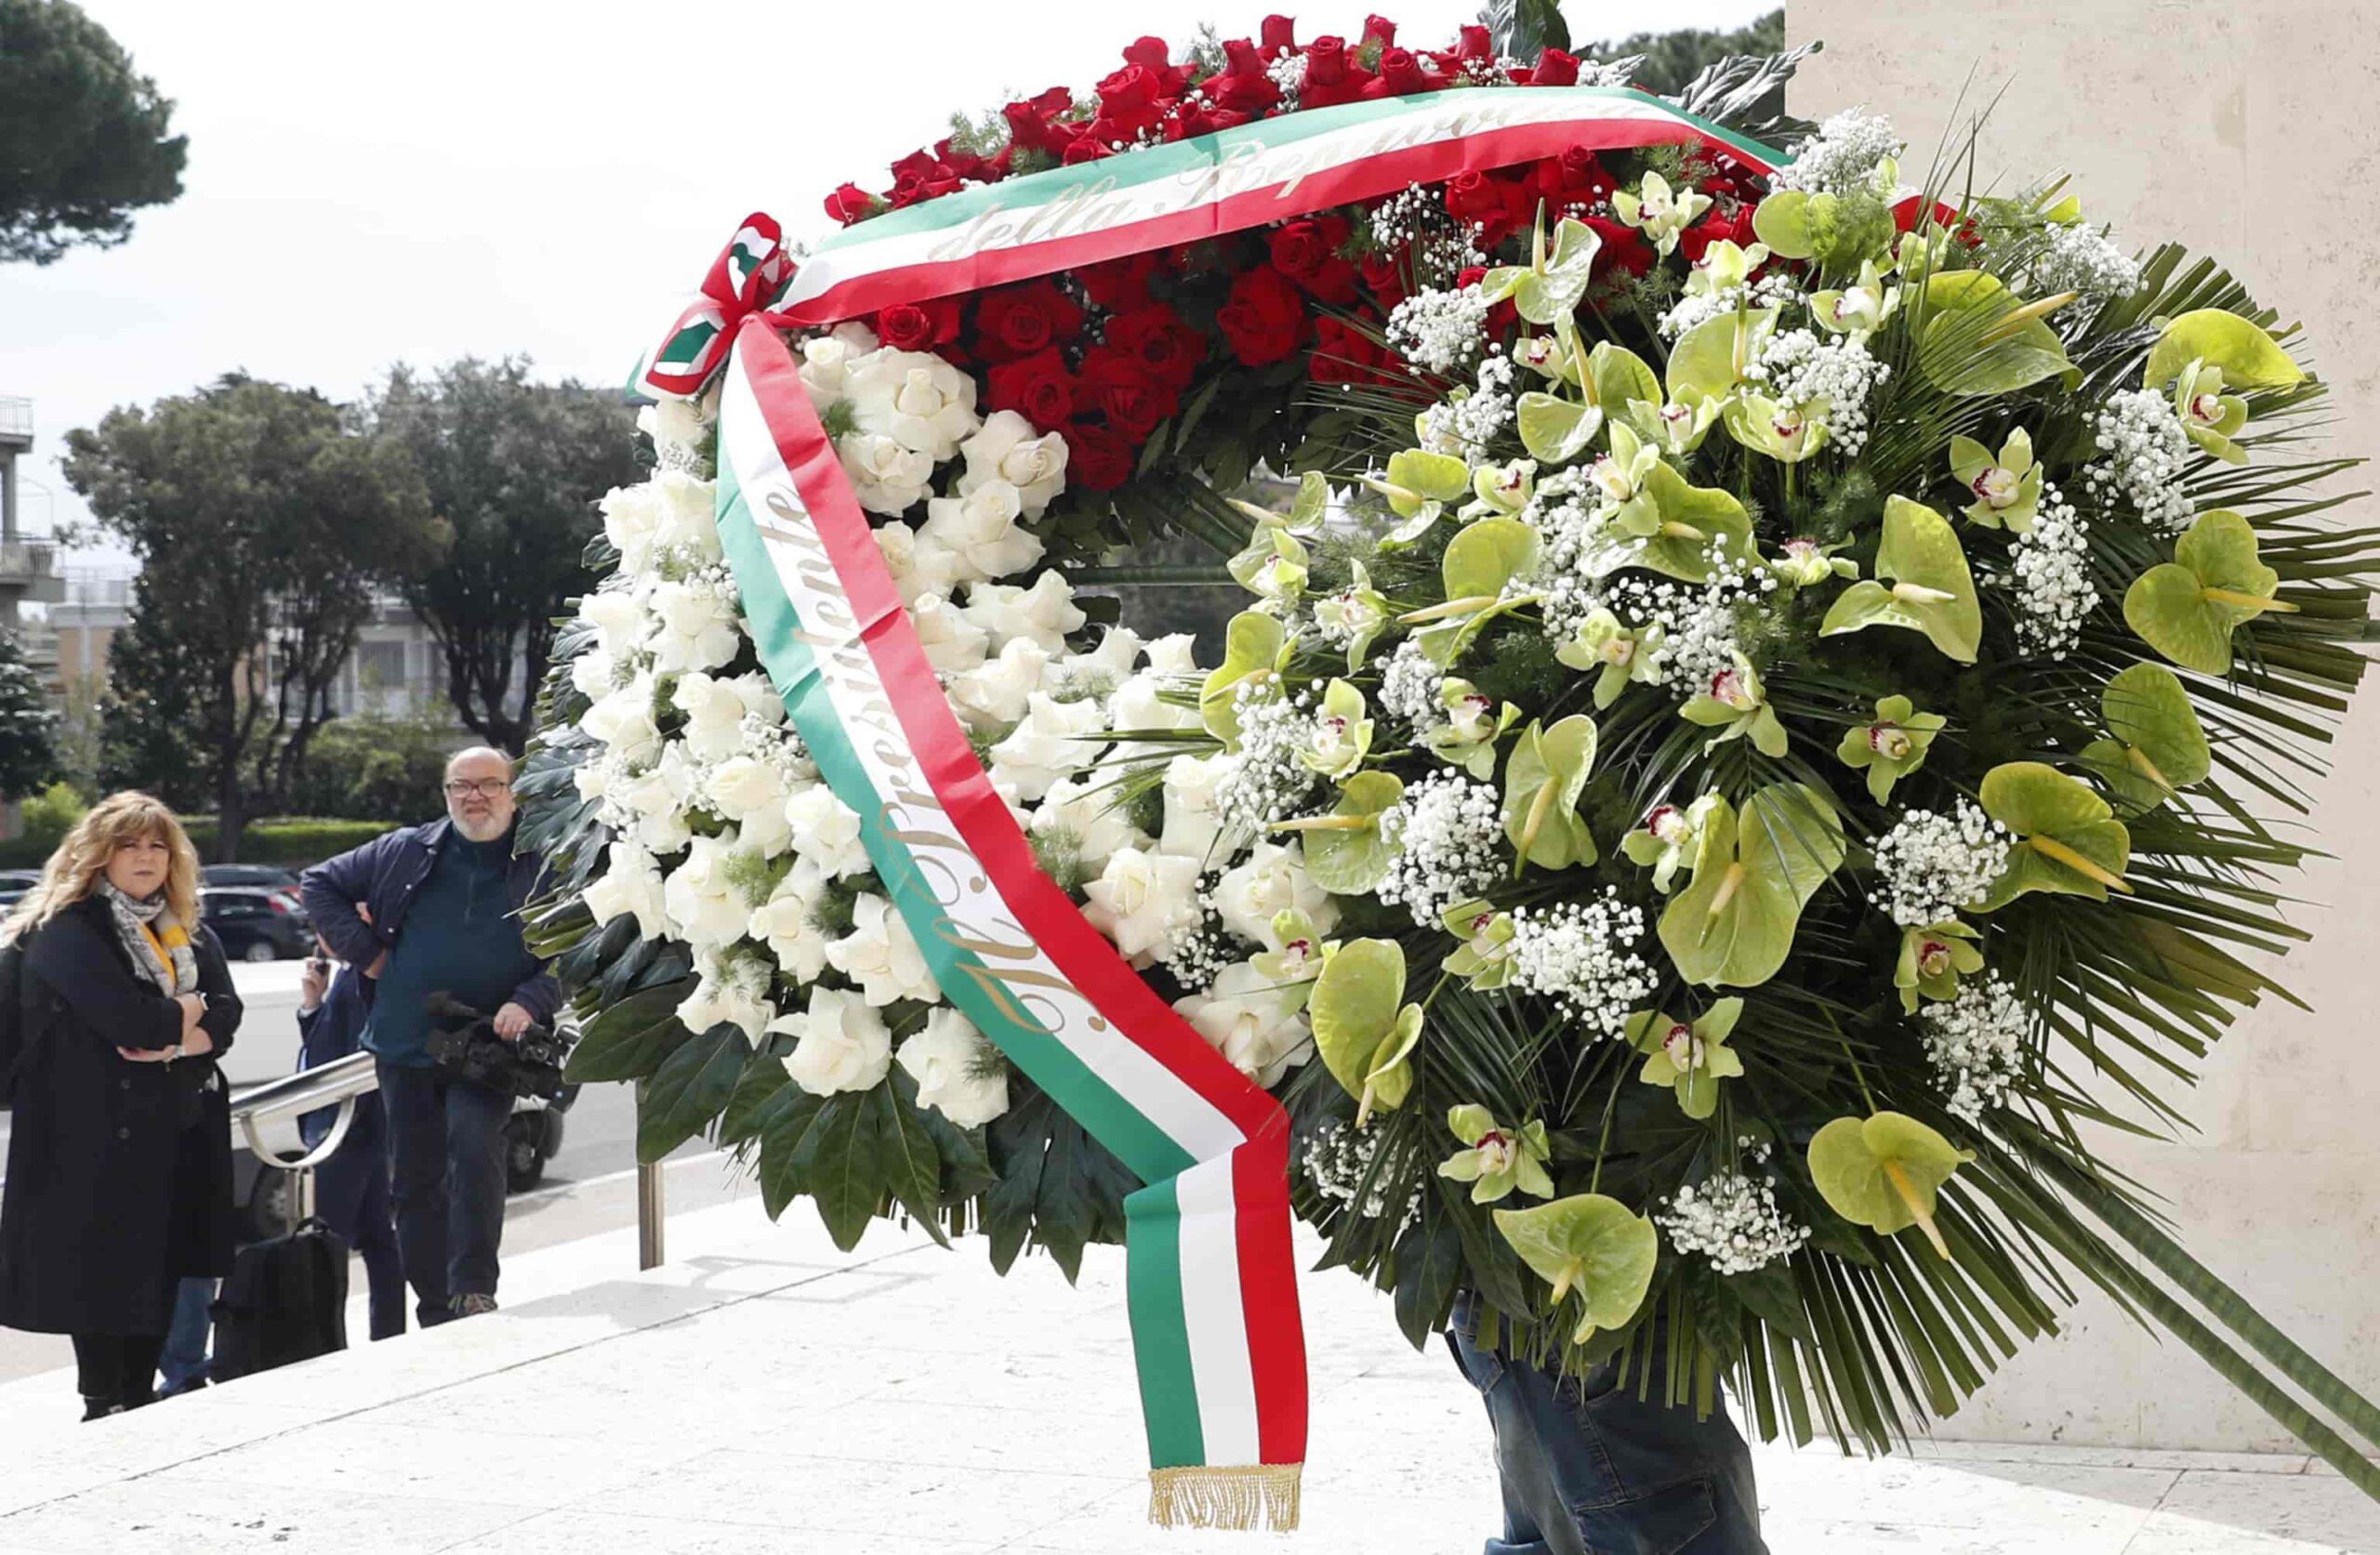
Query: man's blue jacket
<point x="384" y="875"/>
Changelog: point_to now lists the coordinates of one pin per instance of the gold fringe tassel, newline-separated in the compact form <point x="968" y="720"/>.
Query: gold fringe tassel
<point x="1258" y="1495"/>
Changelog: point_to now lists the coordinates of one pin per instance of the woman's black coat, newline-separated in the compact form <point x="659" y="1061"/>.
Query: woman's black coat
<point x="119" y="1173"/>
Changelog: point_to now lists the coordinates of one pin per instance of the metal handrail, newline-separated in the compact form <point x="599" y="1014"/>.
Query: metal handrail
<point x="339" y="1082"/>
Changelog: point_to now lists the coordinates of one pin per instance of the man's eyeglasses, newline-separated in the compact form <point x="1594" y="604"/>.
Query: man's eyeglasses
<point x="486" y="788"/>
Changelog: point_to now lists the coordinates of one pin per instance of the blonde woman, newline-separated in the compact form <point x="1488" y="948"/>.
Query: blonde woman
<point x="120" y="1156"/>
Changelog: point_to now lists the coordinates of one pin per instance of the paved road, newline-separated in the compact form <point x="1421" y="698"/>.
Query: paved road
<point x="590" y="1187"/>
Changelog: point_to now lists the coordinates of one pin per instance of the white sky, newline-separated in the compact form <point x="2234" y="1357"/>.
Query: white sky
<point x="376" y="184"/>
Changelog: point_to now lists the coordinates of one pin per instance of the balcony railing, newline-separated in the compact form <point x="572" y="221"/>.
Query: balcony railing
<point x="28" y="559"/>
<point x="16" y="416"/>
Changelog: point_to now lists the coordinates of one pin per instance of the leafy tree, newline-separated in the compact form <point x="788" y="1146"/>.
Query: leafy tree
<point x="83" y="140"/>
<point x="28" y="724"/>
<point x="1672" y="58"/>
<point x="264" y="520"/>
<point x="513" y="470"/>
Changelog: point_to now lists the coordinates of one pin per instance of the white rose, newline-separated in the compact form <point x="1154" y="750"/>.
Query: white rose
<point x="1272" y="880"/>
<point x="917" y="569"/>
<point x="1107" y="667"/>
<point x="701" y="895"/>
<point x="993" y="695"/>
<point x="1007" y="450"/>
<point x="672" y="422"/>
<point x="1140" y="704"/>
<point x="888" y="478"/>
<point x="623" y="718"/>
<point x="1087" y="807"/>
<point x="784" y="921"/>
<point x="953" y="644"/>
<point x="748" y="792"/>
<point x="592" y="672"/>
<point x="622" y="617"/>
<point x="631" y="884"/>
<point x="919" y="401"/>
<point x="714" y="708"/>
<point x="689" y="521"/>
<point x="840" y="1043"/>
<point x="592" y="779"/>
<point x="1191" y="824"/>
<point x="827" y="831"/>
<point x="631" y="519"/>
<point x="734" y="993"/>
<point x="658" y="797"/>
<point x="981" y="531"/>
<point x="959" y="1074"/>
<point x="1175" y="654"/>
<point x="1049" y="742"/>
<point x="1044" y="612"/>
<point x="1252" y="1021"/>
<point x="698" y="628"/>
<point x="1142" y="899"/>
<point x="881" y="956"/>
<point x="825" y="362"/>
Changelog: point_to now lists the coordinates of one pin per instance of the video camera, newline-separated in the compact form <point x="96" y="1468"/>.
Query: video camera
<point x="464" y="1042"/>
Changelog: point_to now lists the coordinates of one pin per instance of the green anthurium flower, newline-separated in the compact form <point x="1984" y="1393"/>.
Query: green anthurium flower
<point x="1480" y="561"/>
<point x="1619" y="479"/>
<point x="1982" y="339"/>
<point x="1299" y="962"/>
<point x="1588" y="1243"/>
<point x="1343" y="736"/>
<point x="1696" y="521"/>
<point x="1708" y="360"/>
<point x="1724" y="268"/>
<point x="1788" y="431"/>
<point x="1669" y="838"/>
<point x="1933" y="959"/>
<point x="1841" y="232"/>
<point x="1307" y="509"/>
<point x="1419" y="485"/>
<point x="1675" y="428"/>
<point x="2158" y="747"/>
<point x="1503" y="489"/>
<point x="1892" y="747"/>
<point x="1543" y="782"/>
<point x="1932" y="590"/>
<point x="1550" y="287"/>
<point x="1805" y="562"/>
<point x="2248" y="357"/>
<point x="1256" y="649"/>
<point x="1497" y="1160"/>
<point x="2067" y="840"/>
<point x="2211" y="418"/>
<point x="1555" y="430"/>
<point x="1484" y="959"/>
<point x="2006" y="486"/>
<point x="1274" y="566"/>
<point x="2186" y="609"/>
<point x="1859" y="309"/>
<point x="1884" y="1172"/>
<point x="1346" y="852"/>
<point x="1474" y="725"/>
<point x="1752" y="876"/>
<point x="1692" y="1058"/>
<point x="1657" y="211"/>
<point x="1357" y="613"/>
<point x="1737" y="706"/>
<point x="1364" y="1031"/>
<point x="1617" y="653"/>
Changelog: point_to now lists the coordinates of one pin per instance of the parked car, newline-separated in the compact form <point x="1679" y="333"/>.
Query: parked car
<point x="14" y="883"/>
<point x="255" y="875"/>
<point x="256" y="924"/>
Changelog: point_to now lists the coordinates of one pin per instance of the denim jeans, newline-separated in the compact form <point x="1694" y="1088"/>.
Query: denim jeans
<point x="352" y="1198"/>
<point x="183" y="1363"/>
<point x="1588" y="1469"/>
<point x="446" y="1180"/>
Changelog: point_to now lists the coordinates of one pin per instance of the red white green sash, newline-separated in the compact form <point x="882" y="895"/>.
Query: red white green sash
<point x="1212" y="1288"/>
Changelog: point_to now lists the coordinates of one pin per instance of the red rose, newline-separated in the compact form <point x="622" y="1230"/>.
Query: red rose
<point x="1498" y="208"/>
<point x="1155" y="55"/>
<point x="1624" y="248"/>
<point x="1031" y="122"/>
<point x="919" y="176"/>
<point x="1279" y="33"/>
<point x="1264" y="320"/>
<point x="1475" y="43"/>
<point x="1192" y="122"/>
<point x="1402" y="75"/>
<point x="1332" y="77"/>
<point x="918" y="327"/>
<point x="1037" y="387"/>
<point x="1555" y="68"/>
<point x="1302" y="248"/>
<point x="1380" y="30"/>
<point x="1383" y="276"/>
<point x="852" y="203"/>
<point x="1114" y="384"/>
<point x="1097" y="459"/>
<point x="1131" y="100"/>
<point x="1018" y="321"/>
<point x="1084" y="150"/>
<point x="1696" y="241"/>
<point x="1119" y="285"/>
<point x="1244" y="85"/>
<point x="1906" y="214"/>
<point x="1575" y="178"/>
<point x="1157" y="338"/>
<point x="1344" y="353"/>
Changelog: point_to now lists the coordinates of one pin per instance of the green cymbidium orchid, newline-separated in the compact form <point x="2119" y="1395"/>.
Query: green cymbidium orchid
<point x="1346" y="852"/>
<point x="2211" y="418"/>
<point x="1362" y="1028"/>
<point x="1588" y="1243"/>
<point x="1752" y="876"/>
<point x="1658" y="212"/>
<point x="1621" y="478"/>
<point x="1618" y="653"/>
<point x="1342" y="736"/>
<point x="1503" y="489"/>
<point x="1884" y="1172"/>
<point x="1931" y="591"/>
<point x="1357" y="613"/>
<point x="1497" y="1160"/>
<point x="2158" y="747"/>
<point x="1690" y="1058"/>
<point x="1786" y="432"/>
<point x="2186" y="609"/>
<point x="1675" y="428"/>
<point x="1274" y="567"/>
<point x="1299" y="962"/>
<point x="1933" y="958"/>
<point x="2069" y="841"/>
<point x="1737" y="706"/>
<point x="1474" y="725"/>
<point x="1859" y="309"/>
<point x="1484" y="959"/>
<point x="1668" y="839"/>
<point x="1725" y="267"/>
<point x="1892" y="747"/>
<point x="1543" y="782"/>
<point x="2006" y="486"/>
<point x="1805" y="562"/>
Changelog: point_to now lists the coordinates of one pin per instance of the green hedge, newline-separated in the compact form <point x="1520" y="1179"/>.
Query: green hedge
<point x="295" y="841"/>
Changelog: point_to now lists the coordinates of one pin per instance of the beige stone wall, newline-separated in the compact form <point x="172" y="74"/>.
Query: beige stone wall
<point x="2251" y="133"/>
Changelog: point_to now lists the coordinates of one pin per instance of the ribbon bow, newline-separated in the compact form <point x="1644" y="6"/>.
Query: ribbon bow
<point x="748" y="276"/>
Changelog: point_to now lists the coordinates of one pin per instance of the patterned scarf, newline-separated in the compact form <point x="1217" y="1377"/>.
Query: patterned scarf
<point x="157" y="944"/>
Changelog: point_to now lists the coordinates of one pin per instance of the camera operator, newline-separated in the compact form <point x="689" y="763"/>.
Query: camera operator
<point x="444" y="904"/>
<point x="352" y="1186"/>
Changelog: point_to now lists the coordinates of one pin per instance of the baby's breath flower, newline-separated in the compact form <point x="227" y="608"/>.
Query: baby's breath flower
<point x="1932" y="865"/>
<point x="2144" y="451"/>
<point x="1578" y="955"/>
<point x="1732" y="1220"/>
<point x="1975" y="1043"/>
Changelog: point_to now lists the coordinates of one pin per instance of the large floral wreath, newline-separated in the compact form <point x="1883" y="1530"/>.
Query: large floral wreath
<point x="1757" y="714"/>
